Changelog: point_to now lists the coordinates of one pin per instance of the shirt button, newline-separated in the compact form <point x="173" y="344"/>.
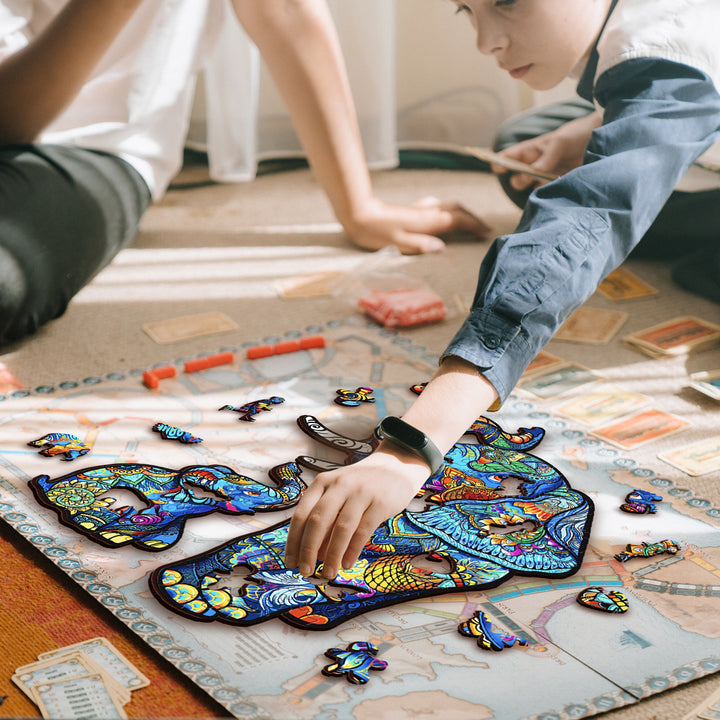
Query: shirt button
<point x="491" y="341"/>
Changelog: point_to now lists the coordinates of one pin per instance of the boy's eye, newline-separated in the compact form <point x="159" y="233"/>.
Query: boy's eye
<point x="462" y="9"/>
<point x="502" y="3"/>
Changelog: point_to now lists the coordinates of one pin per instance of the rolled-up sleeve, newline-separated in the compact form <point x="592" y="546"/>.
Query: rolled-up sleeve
<point x="659" y="117"/>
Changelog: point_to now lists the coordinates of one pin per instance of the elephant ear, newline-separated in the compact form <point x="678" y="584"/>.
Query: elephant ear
<point x="554" y="549"/>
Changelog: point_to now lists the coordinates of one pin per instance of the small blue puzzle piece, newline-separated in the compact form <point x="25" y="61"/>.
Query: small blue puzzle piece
<point x="355" y="662"/>
<point x="253" y="408"/>
<point x="641" y="502"/>
<point x="169" y="432"/>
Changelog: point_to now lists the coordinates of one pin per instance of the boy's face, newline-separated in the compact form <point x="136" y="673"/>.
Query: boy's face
<point x="536" y="41"/>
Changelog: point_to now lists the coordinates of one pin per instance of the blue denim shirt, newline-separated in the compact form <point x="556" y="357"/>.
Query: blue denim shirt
<point x="659" y="117"/>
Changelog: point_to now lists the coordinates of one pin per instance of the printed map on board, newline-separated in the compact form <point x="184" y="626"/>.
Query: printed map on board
<point x="577" y="663"/>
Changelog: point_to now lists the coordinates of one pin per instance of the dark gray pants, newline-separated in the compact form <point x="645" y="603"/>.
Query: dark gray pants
<point x="687" y="230"/>
<point x="64" y="214"/>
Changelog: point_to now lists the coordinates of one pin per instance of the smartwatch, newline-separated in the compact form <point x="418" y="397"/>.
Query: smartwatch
<point x="409" y="438"/>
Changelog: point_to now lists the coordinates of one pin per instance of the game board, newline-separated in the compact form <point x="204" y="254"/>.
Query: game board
<point x="577" y="661"/>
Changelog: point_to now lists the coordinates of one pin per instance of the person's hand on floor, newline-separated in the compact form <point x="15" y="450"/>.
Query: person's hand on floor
<point x="555" y="152"/>
<point x="340" y="510"/>
<point x="413" y="229"/>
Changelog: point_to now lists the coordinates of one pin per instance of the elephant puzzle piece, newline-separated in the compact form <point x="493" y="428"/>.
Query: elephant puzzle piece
<point x="640" y="501"/>
<point x="355" y="662"/>
<point x="479" y="626"/>
<point x="493" y="511"/>
<point x="61" y="444"/>
<point x="169" y="498"/>
<point x="249" y="410"/>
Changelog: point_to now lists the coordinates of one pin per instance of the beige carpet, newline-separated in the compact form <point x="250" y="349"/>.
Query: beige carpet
<point x="223" y="248"/>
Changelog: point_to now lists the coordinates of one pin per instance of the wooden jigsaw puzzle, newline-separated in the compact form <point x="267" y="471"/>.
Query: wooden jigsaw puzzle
<point x="576" y="663"/>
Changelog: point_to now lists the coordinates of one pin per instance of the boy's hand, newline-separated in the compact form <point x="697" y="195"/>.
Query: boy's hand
<point x="413" y="229"/>
<point x="555" y="152"/>
<point x="340" y="510"/>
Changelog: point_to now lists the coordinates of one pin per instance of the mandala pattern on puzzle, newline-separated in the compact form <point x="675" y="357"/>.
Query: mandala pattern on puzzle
<point x="493" y="511"/>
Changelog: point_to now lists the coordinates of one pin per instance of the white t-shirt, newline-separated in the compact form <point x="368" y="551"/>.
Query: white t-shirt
<point x="684" y="31"/>
<point x="138" y="100"/>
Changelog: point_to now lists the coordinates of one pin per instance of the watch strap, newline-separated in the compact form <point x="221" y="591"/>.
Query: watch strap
<point x="409" y="438"/>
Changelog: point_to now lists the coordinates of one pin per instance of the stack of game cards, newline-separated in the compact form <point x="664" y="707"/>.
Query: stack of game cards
<point x="678" y="336"/>
<point x="91" y="679"/>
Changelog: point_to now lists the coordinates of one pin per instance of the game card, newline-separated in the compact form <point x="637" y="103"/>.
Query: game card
<point x="542" y="362"/>
<point x="189" y="326"/>
<point x="707" y="383"/>
<point x="602" y="405"/>
<point x="74" y="664"/>
<point x="591" y="325"/>
<point x="696" y="459"/>
<point x="644" y="427"/>
<point x="81" y="697"/>
<point x="675" y="337"/>
<point x="107" y="657"/>
<point x="316" y="285"/>
<point x="558" y="381"/>
<point x="621" y="284"/>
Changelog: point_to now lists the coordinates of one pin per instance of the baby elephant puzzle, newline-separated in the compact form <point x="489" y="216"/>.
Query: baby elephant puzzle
<point x="494" y="510"/>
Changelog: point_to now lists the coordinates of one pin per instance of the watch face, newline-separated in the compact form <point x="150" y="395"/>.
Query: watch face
<point x="403" y="432"/>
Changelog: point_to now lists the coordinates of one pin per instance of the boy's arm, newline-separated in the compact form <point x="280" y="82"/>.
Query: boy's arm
<point x="298" y="43"/>
<point x="38" y="81"/>
<point x="341" y="508"/>
<point x="659" y="117"/>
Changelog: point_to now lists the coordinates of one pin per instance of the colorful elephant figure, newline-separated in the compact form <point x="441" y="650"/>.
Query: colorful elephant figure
<point x="481" y="531"/>
<point x="81" y="501"/>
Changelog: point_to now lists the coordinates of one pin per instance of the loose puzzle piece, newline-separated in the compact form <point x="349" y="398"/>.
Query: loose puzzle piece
<point x="169" y="432"/>
<point x="640" y="501"/>
<point x="480" y="627"/>
<point x="648" y="550"/>
<point x="355" y="662"/>
<point x="612" y="601"/>
<point x="253" y="408"/>
<point x="169" y="498"/>
<point x="61" y="444"/>
<point x="351" y="398"/>
<point x="494" y="511"/>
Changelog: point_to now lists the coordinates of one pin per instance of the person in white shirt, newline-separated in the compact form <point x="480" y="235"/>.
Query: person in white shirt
<point x="96" y="98"/>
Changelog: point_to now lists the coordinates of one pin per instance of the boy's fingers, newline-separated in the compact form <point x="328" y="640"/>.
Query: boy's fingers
<point x="521" y="181"/>
<point x="316" y="528"/>
<point x="343" y="531"/>
<point x="371" y="519"/>
<point x="297" y="524"/>
<point x="418" y="243"/>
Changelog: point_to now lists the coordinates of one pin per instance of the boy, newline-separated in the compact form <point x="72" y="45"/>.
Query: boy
<point x="652" y="68"/>
<point x="96" y="97"/>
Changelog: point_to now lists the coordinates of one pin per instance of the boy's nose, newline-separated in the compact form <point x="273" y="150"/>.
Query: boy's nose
<point x="490" y="39"/>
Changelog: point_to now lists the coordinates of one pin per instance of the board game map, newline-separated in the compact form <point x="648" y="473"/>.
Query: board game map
<point x="577" y="662"/>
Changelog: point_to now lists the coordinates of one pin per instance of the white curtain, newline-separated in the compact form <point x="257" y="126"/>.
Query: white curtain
<point x="416" y="77"/>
